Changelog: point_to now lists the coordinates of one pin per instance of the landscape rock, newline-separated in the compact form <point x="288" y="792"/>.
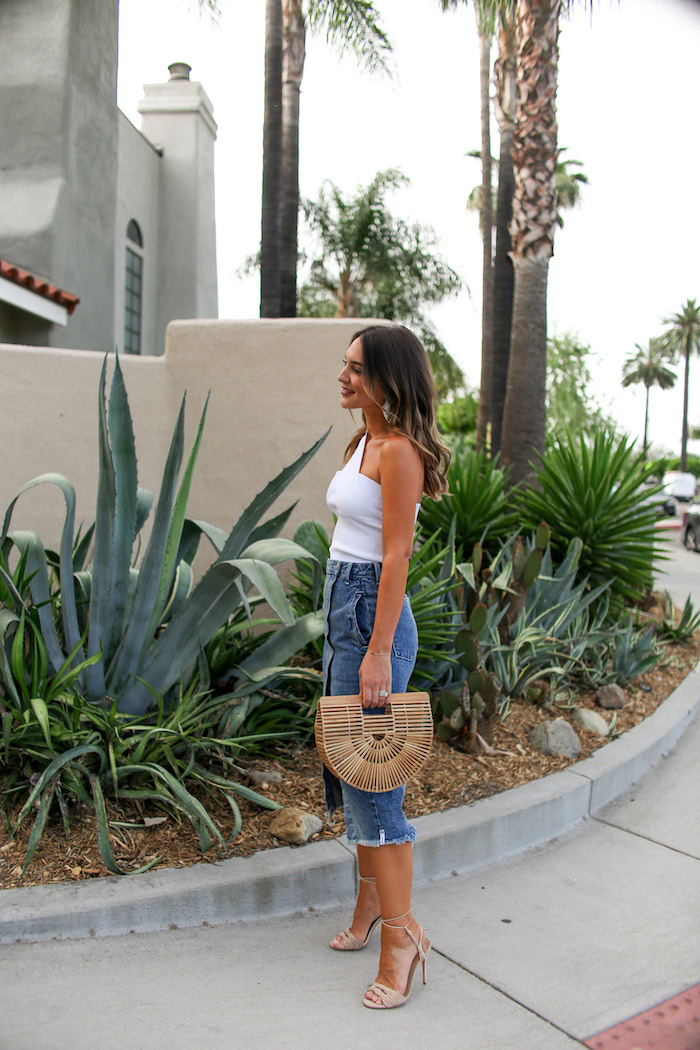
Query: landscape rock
<point x="591" y="720"/>
<point x="295" y="825"/>
<point x="556" y="737"/>
<point x="264" y="776"/>
<point x="611" y="696"/>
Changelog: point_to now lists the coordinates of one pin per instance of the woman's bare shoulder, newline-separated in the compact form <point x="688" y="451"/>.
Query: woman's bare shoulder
<point x="398" y="446"/>
<point x="399" y="453"/>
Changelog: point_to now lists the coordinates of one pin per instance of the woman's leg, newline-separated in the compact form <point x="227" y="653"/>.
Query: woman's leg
<point x="367" y="907"/>
<point x="393" y="869"/>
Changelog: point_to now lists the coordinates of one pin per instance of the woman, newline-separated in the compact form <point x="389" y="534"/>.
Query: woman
<point x="370" y="634"/>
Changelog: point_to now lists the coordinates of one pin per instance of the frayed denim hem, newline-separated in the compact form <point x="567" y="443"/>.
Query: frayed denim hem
<point x="378" y="845"/>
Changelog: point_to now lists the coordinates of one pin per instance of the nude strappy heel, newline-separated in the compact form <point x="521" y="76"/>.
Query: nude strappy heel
<point x="390" y="997"/>
<point x="351" y="943"/>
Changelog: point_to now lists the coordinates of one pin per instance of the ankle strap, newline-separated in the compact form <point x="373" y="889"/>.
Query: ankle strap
<point x="388" y="922"/>
<point x="418" y="942"/>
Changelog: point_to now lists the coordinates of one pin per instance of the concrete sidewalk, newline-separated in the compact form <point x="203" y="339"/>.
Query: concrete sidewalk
<point x="539" y="950"/>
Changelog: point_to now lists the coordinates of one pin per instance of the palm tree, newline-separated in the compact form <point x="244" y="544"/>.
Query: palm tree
<point x="532" y="229"/>
<point x="349" y="25"/>
<point x="486" y="12"/>
<point x="503" y="280"/>
<point x="272" y="164"/>
<point x="486" y="27"/>
<point x="294" y="55"/>
<point x="568" y="188"/>
<point x="368" y="263"/>
<point x="569" y="184"/>
<point x="682" y="339"/>
<point x="568" y="195"/>
<point x="648" y="366"/>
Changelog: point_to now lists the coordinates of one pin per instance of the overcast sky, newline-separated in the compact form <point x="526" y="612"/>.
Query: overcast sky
<point x="627" y="107"/>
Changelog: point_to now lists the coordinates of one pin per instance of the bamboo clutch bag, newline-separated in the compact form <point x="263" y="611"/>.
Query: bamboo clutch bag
<point x="374" y="752"/>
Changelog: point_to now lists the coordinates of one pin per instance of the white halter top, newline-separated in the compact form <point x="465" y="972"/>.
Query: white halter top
<point x="356" y="501"/>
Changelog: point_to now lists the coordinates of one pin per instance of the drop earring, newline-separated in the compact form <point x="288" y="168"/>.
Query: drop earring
<point x="386" y="411"/>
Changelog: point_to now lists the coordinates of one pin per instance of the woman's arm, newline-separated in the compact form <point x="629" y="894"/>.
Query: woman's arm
<point x="401" y="478"/>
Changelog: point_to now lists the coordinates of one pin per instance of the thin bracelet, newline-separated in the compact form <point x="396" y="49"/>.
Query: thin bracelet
<point x="373" y="652"/>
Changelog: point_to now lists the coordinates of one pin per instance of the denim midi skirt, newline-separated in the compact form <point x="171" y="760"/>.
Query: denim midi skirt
<point x="372" y="818"/>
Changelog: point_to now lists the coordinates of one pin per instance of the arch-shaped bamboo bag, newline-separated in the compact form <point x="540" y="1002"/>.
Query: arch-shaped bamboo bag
<point x="374" y="752"/>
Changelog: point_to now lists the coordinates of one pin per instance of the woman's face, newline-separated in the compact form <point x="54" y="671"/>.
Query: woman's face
<point x="353" y="393"/>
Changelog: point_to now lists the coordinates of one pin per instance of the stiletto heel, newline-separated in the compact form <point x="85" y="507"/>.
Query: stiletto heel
<point x="390" y="997"/>
<point x="351" y="943"/>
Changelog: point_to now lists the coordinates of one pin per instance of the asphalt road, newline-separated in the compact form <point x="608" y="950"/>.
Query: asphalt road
<point x="680" y="574"/>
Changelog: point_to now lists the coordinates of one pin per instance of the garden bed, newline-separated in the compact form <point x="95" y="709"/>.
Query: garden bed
<point x="450" y="778"/>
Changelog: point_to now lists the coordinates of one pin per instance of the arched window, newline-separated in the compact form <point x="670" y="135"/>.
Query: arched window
<point x="133" y="289"/>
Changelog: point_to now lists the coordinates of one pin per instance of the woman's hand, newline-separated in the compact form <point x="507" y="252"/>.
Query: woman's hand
<point x="375" y="677"/>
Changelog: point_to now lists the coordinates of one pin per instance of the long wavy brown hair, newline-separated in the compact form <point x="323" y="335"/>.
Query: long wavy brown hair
<point x="395" y="358"/>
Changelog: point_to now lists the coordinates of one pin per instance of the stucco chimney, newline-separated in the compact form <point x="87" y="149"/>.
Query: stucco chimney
<point x="178" y="118"/>
<point x="179" y="71"/>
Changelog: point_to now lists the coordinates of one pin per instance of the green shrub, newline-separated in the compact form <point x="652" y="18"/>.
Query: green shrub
<point x="81" y="752"/>
<point x="591" y="491"/>
<point x="430" y="586"/>
<point x="478" y="503"/>
<point x="459" y="417"/>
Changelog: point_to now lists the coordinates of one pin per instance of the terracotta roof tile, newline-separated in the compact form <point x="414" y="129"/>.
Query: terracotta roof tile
<point x="35" y="284"/>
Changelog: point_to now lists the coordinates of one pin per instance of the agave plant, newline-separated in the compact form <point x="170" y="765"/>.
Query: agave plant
<point x="547" y="638"/>
<point x="477" y="502"/>
<point x="591" y="490"/>
<point x="87" y="647"/>
<point x="687" y="625"/>
<point x="634" y="652"/>
<point x="134" y="633"/>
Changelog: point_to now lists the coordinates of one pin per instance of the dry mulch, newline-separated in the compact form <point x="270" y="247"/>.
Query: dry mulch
<point x="450" y="778"/>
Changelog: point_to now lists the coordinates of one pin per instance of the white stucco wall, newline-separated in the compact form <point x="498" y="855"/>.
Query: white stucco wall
<point x="138" y="183"/>
<point x="58" y="75"/>
<point x="273" y="393"/>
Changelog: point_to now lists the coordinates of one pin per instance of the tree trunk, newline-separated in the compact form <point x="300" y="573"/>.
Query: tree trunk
<point x="294" y="53"/>
<point x="503" y="277"/>
<point x="646" y="423"/>
<point x="485" y="413"/>
<point x="272" y="164"/>
<point x="684" y="425"/>
<point x="524" y="415"/>
<point x="534" y="218"/>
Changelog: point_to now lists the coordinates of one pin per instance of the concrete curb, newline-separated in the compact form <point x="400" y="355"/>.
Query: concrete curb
<point x="280" y="881"/>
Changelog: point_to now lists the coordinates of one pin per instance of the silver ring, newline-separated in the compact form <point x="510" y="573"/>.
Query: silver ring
<point x="382" y="692"/>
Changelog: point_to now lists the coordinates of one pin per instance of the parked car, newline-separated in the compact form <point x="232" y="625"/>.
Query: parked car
<point x="679" y="485"/>
<point x="690" y="527"/>
<point x="652" y="495"/>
